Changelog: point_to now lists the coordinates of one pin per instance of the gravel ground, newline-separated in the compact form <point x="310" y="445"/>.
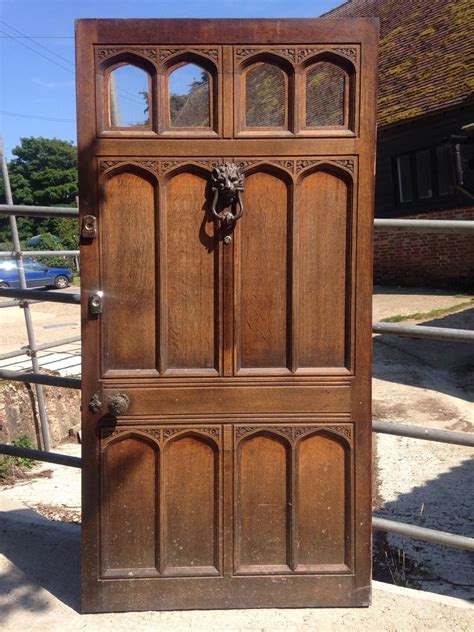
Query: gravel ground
<point x="426" y="383"/>
<point x="52" y="321"/>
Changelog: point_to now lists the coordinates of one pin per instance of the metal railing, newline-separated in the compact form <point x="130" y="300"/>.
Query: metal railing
<point x="27" y="297"/>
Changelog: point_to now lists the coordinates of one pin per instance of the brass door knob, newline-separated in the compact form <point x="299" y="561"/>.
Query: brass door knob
<point x="118" y="404"/>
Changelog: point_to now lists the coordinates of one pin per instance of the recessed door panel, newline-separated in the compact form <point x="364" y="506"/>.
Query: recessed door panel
<point x="130" y="482"/>
<point x="321" y="262"/>
<point x="190" y="466"/>
<point x="263" y="284"/>
<point x="262" y="505"/>
<point x="190" y="277"/>
<point x="128" y="218"/>
<point x="321" y="492"/>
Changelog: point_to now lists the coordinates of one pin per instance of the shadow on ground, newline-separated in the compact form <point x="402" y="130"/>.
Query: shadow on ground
<point x="446" y="367"/>
<point x="444" y="503"/>
<point x="47" y="553"/>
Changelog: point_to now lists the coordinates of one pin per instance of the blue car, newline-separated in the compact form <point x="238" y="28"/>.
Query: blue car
<point x="36" y="274"/>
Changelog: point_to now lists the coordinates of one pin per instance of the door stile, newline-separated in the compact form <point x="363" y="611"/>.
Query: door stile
<point x="292" y="525"/>
<point x="162" y="290"/>
<point x="236" y="290"/>
<point x="161" y="526"/>
<point x="291" y="296"/>
<point x="227" y="538"/>
<point x="295" y="276"/>
<point x="228" y="91"/>
<point x="228" y="276"/>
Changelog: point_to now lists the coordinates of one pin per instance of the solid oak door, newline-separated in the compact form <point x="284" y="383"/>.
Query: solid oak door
<point x="226" y="189"/>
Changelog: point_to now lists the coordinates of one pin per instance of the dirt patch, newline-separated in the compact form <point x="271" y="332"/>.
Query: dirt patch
<point x="59" y="513"/>
<point x="19" y="475"/>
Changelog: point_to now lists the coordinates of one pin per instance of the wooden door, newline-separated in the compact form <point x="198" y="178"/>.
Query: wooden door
<point x="226" y="362"/>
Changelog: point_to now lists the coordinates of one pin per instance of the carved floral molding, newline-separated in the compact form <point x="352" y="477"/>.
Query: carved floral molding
<point x="155" y="54"/>
<point x="296" y="432"/>
<point x="299" y="54"/>
<point x="161" y="435"/>
<point x="159" y="167"/>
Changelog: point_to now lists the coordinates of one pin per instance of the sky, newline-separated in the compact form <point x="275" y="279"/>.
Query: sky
<point x="37" y="85"/>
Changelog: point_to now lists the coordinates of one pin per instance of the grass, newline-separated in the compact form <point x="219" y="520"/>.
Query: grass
<point x="76" y="280"/>
<point x="392" y="566"/>
<point x="12" y="467"/>
<point x="434" y="313"/>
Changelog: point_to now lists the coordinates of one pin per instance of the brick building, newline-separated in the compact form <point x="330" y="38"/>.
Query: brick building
<point x="426" y="93"/>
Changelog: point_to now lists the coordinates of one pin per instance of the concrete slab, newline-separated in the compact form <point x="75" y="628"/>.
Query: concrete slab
<point x="39" y="590"/>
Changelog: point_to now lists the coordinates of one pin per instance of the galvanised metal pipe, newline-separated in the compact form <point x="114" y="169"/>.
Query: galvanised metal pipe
<point x="26" y="310"/>
<point x="423" y="225"/>
<point x="37" y="211"/>
<point x="422" y="533"/>
<point x="42" y="295"/>
<point x="17" y="303"/>
<point x="42" y="347"/>
<point x="426" y="225"/>
<point x="40" y="378"/>
<point x="41" y="455"/>
<point x="419" y="331"/>
<point x="421" y="432"/>
<point x="40" y="253"/>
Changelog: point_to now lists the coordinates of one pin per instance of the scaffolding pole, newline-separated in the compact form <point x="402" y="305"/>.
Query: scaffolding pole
<point x="26" y="308"/>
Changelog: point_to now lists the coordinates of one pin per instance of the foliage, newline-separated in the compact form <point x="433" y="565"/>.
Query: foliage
<point x="186" y="109"/>
<point x="434" y="313"/>
<point x="48" y="242"/>
<point x="12" y="466"/>
<point x="43" y="173"/>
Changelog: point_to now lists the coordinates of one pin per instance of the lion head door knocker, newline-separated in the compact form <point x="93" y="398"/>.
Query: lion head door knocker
<point x="227" y="183"/>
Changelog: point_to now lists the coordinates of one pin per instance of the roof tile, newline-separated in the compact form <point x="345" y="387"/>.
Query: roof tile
<point x="426" y="54"/>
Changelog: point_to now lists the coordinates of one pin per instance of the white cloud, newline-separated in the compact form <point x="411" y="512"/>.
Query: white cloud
<point x="53" y="84"/>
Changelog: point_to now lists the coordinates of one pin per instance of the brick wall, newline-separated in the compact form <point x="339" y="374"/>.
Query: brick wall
<point x="424" y="259"/>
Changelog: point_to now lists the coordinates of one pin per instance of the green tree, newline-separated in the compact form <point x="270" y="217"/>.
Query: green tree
<point x="43" y="173"/>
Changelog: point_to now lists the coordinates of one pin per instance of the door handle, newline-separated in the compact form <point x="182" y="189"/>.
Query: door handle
<point x="118" y="404"/>
<point x="227" y="184"/>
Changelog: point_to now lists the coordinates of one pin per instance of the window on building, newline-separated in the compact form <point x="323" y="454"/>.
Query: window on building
<point x="405" y="184"/>
<point x="444" y="166"/>
<point x="424" y="174"/>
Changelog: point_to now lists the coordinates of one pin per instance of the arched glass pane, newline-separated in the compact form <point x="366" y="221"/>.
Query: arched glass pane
<point x="325" y="95"/>
<point x="189" y="97"/>
<point x="265" y="96"/>
<point x="129" y="97"/>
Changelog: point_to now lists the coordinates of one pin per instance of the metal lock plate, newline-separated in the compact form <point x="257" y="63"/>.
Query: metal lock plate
<point x="95" y="302"/>
<point x="89" y="227"/>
